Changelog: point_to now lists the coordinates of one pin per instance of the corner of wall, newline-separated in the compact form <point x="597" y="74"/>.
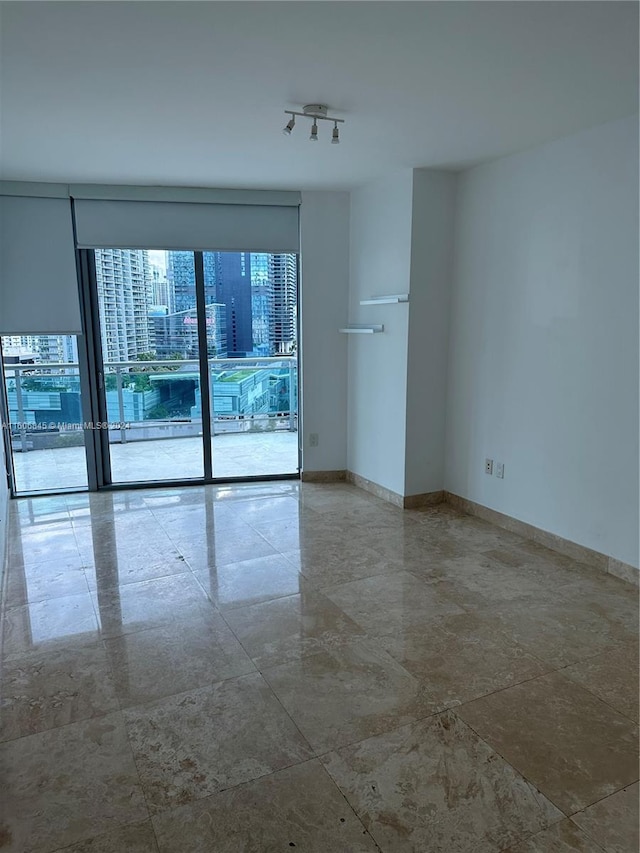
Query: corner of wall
<point x="4" y="512"/>
<point x="324" y="294"/>
<point x="433" y="210"/>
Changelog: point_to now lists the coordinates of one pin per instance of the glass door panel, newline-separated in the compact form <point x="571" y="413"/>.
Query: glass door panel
<point x="45" y="412"/>
<point x="251" y="304"/>
<point x="149" y="339"/>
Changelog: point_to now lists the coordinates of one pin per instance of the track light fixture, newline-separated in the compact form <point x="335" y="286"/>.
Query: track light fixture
<point x="316" y="113"/>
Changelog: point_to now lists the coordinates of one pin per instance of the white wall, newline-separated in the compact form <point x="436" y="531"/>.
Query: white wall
<point x="380" y="264"/>
<point x="543" y="370"/>
<point x="324" y="286"/>
<point x="4" y="510"/>
<point x="429" y="318"/>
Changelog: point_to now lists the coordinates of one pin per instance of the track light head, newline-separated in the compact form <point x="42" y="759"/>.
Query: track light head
<point x="314" y="131"/>
<point x="289" y="126"/>
<point x="335" y="136"/>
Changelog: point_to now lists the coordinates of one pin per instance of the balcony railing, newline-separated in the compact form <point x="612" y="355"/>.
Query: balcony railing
<point x="158" y="398"/>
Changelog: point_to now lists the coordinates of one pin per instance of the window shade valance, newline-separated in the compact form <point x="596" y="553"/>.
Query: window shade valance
<point x="38" y="279"/>
<point x="188" y="226"/>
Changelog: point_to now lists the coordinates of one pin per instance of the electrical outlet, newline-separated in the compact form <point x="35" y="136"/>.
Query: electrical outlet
<point x="500" y="470"/>
<point x="488" y="466"/>
<point x="313" y="439"/>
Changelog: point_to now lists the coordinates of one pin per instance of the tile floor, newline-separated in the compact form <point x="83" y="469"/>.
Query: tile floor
<point x="280" y="666"/>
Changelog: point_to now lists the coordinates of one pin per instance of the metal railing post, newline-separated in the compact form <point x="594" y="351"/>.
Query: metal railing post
<point x="123" y="432"/>
<point x="211" y="398"/>
<point x="23" y="432"/>
<point x="292" y="414"/>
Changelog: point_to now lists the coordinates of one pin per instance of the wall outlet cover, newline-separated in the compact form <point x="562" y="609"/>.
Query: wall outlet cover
<point x="488" y="466"/>
<point x="313" y="439"/>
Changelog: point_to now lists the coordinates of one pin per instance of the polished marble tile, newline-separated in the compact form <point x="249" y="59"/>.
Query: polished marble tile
<point x="289" y="629"/>
<point x="67" y="785"/>
<point x="461" y="657"/>
<point x="119" y="569"/>
<point x="562" y="837"/>
<point x="348" y="693"/>
<point x="476" y="581"/>
<point x="410" y="546"/>
<point x="264" y="510"/>
<point x="225" y="545"/>
<point x="391" y="604"/>
<point x="291" y="532"/>
<point x="138" y="606"/>
<point x="55" y="622"/>
<point x="340" y="559"/>
<point x="613" y="822"/>
<point x="250" y="581"/>
<point x="603" y="596"/>
<point x="50" y="542"/>
<point x="533" y="553"/>
<point x="462" y="533"/>
<point x="201" y="528"/>
<point x="41" y="581"/>
<point x="366" y="621"/>
<point x="174" y="658"/>
<point x="299" y="807"/>
<point x="612" y="676"/>
<point x="47" y="689"/>
<point x="40" y="510"/>
<point x="134" y="838"/>
<point x="129" y="555"/>
<point x="569" y="743"/>
<point x="558" y="631"/>
<point x="335" y="497"/>
<point x="436" y="786"/>
<point x="194" y="744"/>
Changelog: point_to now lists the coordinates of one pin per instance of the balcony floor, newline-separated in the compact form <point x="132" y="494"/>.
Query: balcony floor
<point x="245" y="454"/>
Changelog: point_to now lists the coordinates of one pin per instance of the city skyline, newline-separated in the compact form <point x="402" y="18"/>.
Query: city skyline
<point x="146" y="301"/>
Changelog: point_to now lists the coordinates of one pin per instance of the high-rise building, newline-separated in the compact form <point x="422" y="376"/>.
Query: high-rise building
<point x="262" y="304"/>
<point x="182" y="279"/>
<point x="233" y="289"/>
<point x="124" y="287"/>
<point x="258" y="290"/>
<point x="41" y="349"/>
<point x="176" y="334"/>
<point x="284" y="277"/>
<point x="162" y="290"/>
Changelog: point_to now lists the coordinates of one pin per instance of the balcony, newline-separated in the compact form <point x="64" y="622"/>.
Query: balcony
<point x="155" y="406"/>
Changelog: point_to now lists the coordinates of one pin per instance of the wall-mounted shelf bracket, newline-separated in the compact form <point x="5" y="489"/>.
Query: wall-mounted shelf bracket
<point x="386" y="300"/>
<point x="361" y="330"/>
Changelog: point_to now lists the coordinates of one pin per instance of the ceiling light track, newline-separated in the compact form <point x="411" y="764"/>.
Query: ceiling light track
<point x="315" y="113"/>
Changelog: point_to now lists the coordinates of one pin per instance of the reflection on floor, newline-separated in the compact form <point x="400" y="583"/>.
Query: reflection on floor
<point x="284" y="666"/>
<point x="247" y="454"/>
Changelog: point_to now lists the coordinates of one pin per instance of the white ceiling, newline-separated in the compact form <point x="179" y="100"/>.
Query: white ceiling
<point x="184" y="93"/>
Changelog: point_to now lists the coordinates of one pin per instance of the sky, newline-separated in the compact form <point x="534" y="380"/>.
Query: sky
<point x="158" y="258"/>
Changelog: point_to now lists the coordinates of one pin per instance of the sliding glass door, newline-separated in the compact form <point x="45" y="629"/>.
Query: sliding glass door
<point x="149" y="366"/>
<point x="45" y="418"/>
<point x="254" y="374"/>
<point x="196" y="363"/>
